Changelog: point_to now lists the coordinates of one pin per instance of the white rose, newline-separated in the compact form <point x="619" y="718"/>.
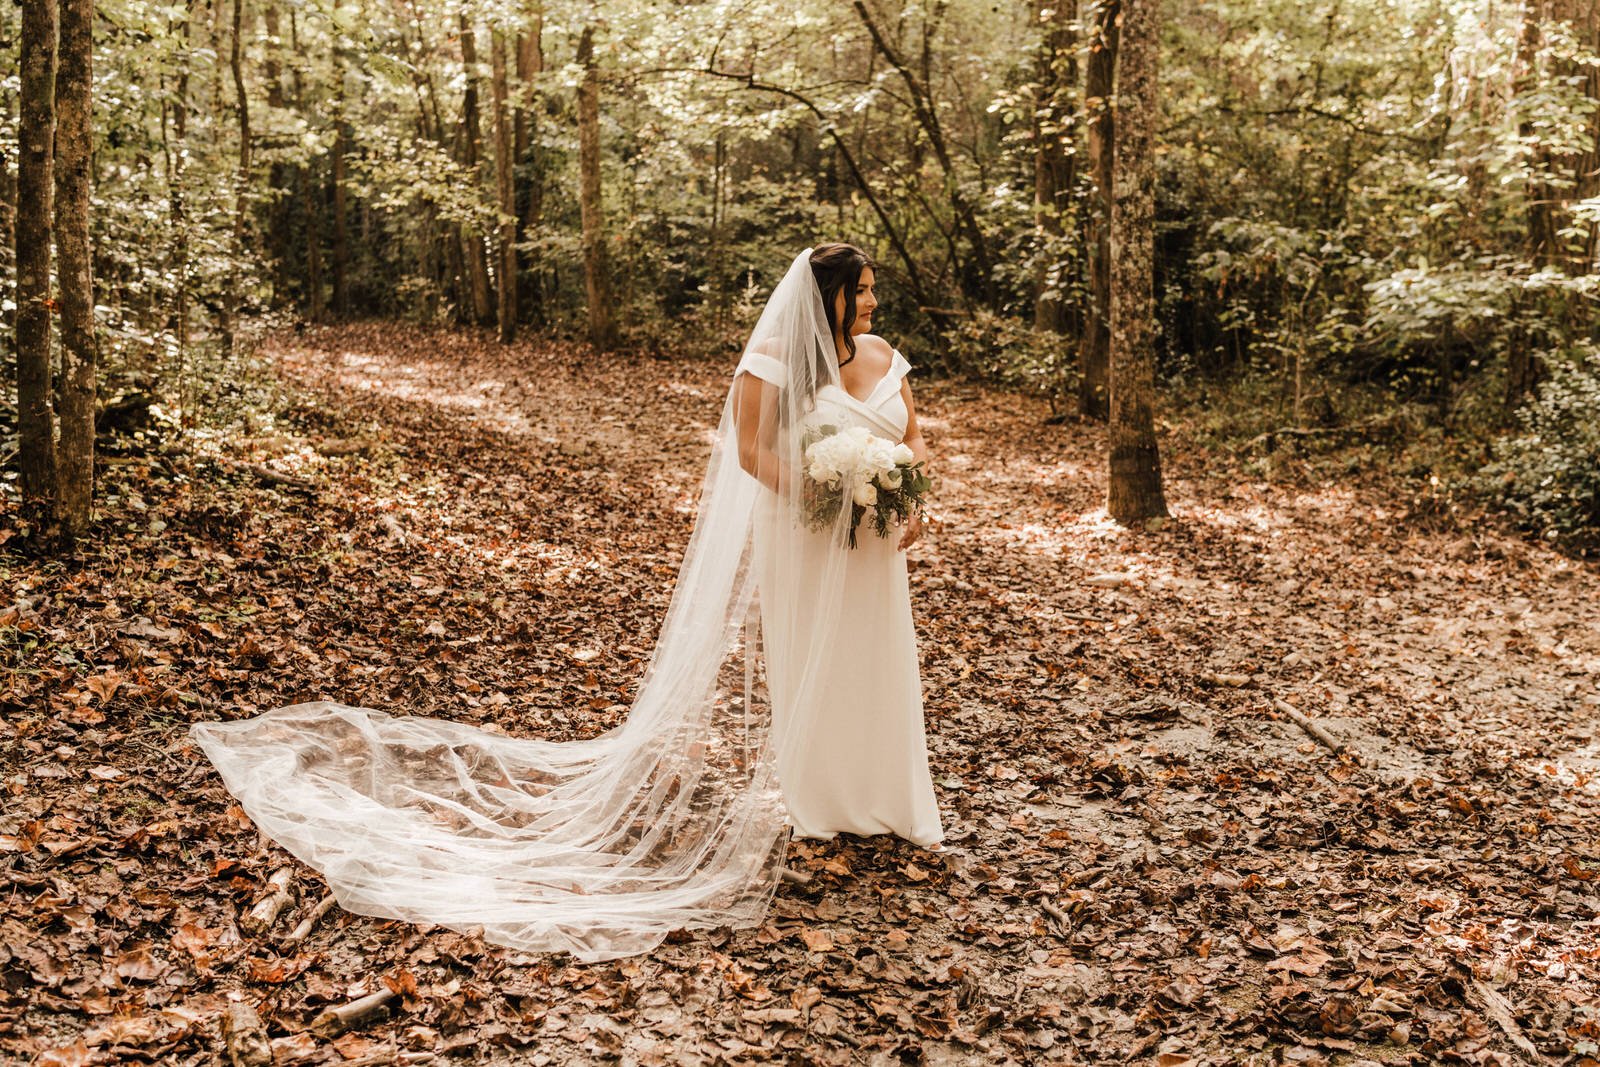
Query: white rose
<point x="903" y="454"/>
<point x="865" y="494"/>
<point x="890" y="479"/>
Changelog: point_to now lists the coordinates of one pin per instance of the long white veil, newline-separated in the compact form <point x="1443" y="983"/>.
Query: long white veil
<point x="673" y="820"/>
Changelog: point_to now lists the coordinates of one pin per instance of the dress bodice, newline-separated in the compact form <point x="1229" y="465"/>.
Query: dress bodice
<point x="883" y="411"/>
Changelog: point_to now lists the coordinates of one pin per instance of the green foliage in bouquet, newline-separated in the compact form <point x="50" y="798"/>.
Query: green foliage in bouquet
<point x="897" y="493"/>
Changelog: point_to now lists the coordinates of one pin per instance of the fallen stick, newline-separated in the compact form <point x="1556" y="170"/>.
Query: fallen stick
<point x="389" y="1056"/>
<point x="309" y="923"/>
<point x="1056" y="913"/>
<point x="1077" y="617"/>
<point x="1339" y="748"/>
<point x="266" y="474"/>
<point x="1500" y="1011"/>
<point x="795" y="877"/>
<point x="335" y="1021"/>
<point x="265" y="913"/>
<point x="244" y="1037"/>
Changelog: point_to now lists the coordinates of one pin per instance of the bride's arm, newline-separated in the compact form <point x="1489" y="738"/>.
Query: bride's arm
<point x="756" y="414"/>
<point x="919" y="451"/>
<point x="913" y="438"/>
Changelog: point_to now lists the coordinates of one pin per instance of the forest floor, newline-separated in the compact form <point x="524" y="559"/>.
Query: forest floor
<point x="1148" y="859"/>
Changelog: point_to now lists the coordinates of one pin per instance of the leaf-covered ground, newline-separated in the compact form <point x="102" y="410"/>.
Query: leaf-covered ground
<point x="1149" y="859"/>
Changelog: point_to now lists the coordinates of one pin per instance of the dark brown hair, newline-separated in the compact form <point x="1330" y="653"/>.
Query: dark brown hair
<point x="836" y="267"/>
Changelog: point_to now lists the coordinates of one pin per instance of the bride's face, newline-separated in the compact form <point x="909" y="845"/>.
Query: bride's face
<point x="866" y="303"/>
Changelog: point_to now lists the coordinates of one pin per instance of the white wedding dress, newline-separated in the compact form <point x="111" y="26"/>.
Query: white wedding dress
<point x="861" y="766"/>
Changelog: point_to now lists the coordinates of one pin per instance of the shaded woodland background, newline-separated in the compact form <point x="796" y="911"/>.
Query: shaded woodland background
<point x="1374" y="221"/>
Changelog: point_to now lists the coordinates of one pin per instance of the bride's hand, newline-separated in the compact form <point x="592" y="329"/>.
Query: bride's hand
<point x="913" y="532"/>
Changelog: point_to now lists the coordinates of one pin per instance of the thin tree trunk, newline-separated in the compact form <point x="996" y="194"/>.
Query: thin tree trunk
<point x="242" y="187"/>
<point x="1587" y="169"/>
<point x="36" y="422"/>
<point x="341" y="207"/>
<point x="1135" y="485"/>
<point x="483" y="302"/>
<point x="1543" y="243"/>
<point x="530" y="198"/>
<point x="305" y="182"/>
<point x="1053" y="171"/>
<point x="596" y="271"/>
<point x="719" y="161"/>
<point x="340" y="265"/>
<point x="76" y="386"/>
<point x="506" y="310"/>
<point x="444" y="253"/>
<point x="8" y="213"/>
<point x="278" y="175"/>
<point x="178" y="213"/>
<point x="913" y="275"/>
<point x="977" y="275"/>
<point x="1549" y="195"/>
<point x="316" y="311"/>
<point x="1094" y="351"/>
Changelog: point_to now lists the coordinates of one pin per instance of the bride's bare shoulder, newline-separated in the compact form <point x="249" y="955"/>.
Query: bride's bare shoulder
<point x="876" y="346"/>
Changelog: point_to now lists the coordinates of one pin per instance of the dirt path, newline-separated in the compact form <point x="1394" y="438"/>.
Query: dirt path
<point x="1147" y="859"/>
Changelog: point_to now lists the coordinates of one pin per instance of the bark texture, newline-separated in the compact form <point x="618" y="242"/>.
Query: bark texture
<point x="36" y="422"/>
<point x="530" y="189"/>
<point x="1558" y="178"/>
<point x="1053" y="123"/>
<point x="341" y="213"/>
<point x="477" y="258"/>
<point x="1094" y="351"/>
<point x="506" y="243"/>
<point x="242" y="188"/>
<point x="1135" y="485"/>
<point x="76" y="384"/>
<point x="596" y="269"/>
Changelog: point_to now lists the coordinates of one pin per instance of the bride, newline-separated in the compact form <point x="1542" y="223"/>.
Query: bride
<point x="783" y="696"/>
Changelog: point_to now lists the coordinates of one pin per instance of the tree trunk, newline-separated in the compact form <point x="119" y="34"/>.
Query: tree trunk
<point x="341" y="210"/>
<point x="315" y="309"/>
<point x="8" y="214"/>
<point x="530" y="198"/>
<point x="340" y="265"/>
<point x="1053" y="172"/>
<point x="242" y="187"/>
<point x="36" y="422"/>
<point x="178" y="214"/>
<point x="483" y="303"/>
<point x="1135" y="484"/>
<point x="596" y="271"/>
<point x="506" y="311"/>
<point x="976" y="275"/>
<point x="278" y="175"/>
<point x="1556" y="179"/>
<point x="1586" y="170"/>
<point x="1543" y="243"/>
<point x="76" y="386"/>
<point x="1094" y="351"/>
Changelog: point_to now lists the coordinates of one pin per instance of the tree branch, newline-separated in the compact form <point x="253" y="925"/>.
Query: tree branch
<point x="918" y="289"/>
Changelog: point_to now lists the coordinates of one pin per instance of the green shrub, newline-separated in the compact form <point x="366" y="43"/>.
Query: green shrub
<point x="1012" y="353"/>
<point x="1549" y="474"/>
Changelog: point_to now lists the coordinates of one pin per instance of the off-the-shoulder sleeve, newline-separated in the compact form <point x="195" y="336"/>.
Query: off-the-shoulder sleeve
<point x="764" y="367"/>
<point x="899" y="367"/>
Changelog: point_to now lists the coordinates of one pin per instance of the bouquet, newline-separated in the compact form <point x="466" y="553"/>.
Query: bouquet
<point x="872" y="475"/>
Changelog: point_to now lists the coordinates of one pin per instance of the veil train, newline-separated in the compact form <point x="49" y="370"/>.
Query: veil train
<point x="600" y="848"/>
